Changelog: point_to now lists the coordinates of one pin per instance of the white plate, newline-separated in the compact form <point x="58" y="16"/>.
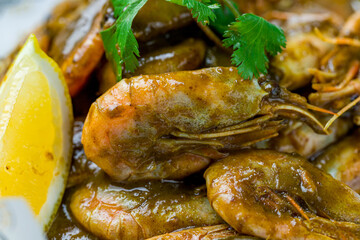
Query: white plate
<point x="18" y="18"/>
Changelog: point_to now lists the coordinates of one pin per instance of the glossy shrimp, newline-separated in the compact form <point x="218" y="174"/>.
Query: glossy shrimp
<point x="337" y="81"/>
<point x="262" y="7"/>
<point x="78" y="47"/>
<point x="298" y="19"/>
<point x="187" y="55"/>
<point x="62" y="15"/>
<point x="149" y="23"/>
<point x="172" y="125"/>
<point x="304" y="49"/>
<point x="140" y="210"/>
<point x="300" y="138"/>
<point x="342" y="161"/>
<point x="276" y="195"/>
<point x="217" y="232"/>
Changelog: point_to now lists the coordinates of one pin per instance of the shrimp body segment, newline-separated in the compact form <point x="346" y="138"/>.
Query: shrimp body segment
<point x="171" y="125"/>
<point x="216" y="232"/>
<point x="300" y="138"/>
<point x="342" y="161"/>
<point x="337" y="81"/>
<point x="276" y="195"/>
<point x="140" y="210"/>
<point x="78" y="47"/>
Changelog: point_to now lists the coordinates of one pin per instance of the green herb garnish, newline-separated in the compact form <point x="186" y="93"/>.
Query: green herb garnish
<point x="224" y="17"/>
<point x="119" y="41"/>
<point x="200" y="10"/>
<point x="250" y="36"/>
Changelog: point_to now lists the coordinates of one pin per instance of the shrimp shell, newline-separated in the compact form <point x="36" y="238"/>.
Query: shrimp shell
<point x="172" y="125"/>
<point x="281" y="196"/>
<point x="140" y="210"/>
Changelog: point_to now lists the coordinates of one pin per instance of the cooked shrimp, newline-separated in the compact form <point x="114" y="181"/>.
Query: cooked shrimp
<point x="78" y="47"/>
<point x="304" y="49"/>
<point x="217" y="232"/>
<point x="298" y="19"/>
<point x="187" y="55"/>
<point x="300" y="138"/>
<point x="337" y="80"/>
<point x="65" y="227"/>
<point x="63" y="14"/>
<point x="172" y="125"/>
<point x="158" y="17"/>
<point x="342" y="161"/>
<point x="276" y="195"/>
<point x="140" y="210"/>
<point x="216" y="57"/>
<point x="261" y="7"/>
<point x="337" y="76"/>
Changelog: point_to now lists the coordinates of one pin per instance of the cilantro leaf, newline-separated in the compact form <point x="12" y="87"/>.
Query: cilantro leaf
<point x="119" y="41"/>
<point x="200" y="9"/>
<point x="251" y="37"/>
<point x="224" y="17"/>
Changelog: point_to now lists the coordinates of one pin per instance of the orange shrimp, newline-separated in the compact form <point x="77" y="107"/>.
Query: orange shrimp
<point x="304" y="49"/>
<point x="337" y="81"/>
<point x="300" y="138"/>
<point x="342" y="161"/>
<point x="78" y="47"/>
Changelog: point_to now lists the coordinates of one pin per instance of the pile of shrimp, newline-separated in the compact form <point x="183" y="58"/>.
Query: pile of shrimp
<point x="184" y="148"/>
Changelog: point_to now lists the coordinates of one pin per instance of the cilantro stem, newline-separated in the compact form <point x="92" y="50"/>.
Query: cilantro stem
<point x="212" y="36"/>
<point x="232" y="8"/>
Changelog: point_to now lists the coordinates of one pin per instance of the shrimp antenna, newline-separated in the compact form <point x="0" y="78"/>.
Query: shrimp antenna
<point x="304" y="113"/>
<point x="338" y="41"/>
<point x="319" y="109"/>
<point x="341" y="112"/>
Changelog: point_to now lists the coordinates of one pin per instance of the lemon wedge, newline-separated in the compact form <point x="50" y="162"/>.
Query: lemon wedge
<point x="35" y="132"/>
